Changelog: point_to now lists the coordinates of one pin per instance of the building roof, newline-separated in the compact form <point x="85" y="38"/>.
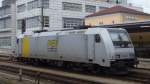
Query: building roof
<point x="117" y="9"/>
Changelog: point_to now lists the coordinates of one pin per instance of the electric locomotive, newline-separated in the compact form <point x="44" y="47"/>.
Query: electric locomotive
<point x="109" y="48"/>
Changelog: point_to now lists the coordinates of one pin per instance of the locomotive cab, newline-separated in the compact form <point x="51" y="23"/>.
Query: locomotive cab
<point x="112" y="47"/>
<point x="123" y="52"/>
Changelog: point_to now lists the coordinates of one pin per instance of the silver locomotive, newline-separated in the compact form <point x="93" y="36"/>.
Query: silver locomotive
<point x="93" y="47"/>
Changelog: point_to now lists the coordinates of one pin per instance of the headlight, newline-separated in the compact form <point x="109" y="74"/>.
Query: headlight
<point x="131" y="54"/>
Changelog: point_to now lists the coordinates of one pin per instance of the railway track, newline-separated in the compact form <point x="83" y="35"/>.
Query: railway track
<point x="4" y="57"/>
<point x="44" y="74"/>
<point x="139" y="75"/>
<point x="64" y="76"/>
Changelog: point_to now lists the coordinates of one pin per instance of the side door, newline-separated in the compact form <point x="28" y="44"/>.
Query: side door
<point x="91" y="48"/>
<point x="100" y="50"/>
<point x="34" y="46"/>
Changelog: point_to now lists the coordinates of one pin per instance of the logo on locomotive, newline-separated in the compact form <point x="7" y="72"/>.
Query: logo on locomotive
<point x="52" y="45"/>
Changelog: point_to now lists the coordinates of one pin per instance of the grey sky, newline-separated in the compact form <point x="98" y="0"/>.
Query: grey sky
<point x="141" y="3"/>
<point x="0" y="2"/>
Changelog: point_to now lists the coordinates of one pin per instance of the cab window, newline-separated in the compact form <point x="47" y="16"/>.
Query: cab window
<point x="97" y="38"/>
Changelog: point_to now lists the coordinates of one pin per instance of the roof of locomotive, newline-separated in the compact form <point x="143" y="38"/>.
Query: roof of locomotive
<point x="93" y="30"/>
<point x="69" y="32"/>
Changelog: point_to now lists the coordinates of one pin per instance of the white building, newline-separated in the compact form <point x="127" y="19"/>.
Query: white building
<point x="58" y="14"/>
<point x="26" y="15"/>
<point x="7" y="27"/>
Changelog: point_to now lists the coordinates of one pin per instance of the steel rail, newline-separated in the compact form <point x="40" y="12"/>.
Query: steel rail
<point x="62" y="76"/>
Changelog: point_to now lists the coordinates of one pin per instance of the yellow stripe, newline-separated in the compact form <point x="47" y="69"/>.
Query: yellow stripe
<point x="25" y="46"/>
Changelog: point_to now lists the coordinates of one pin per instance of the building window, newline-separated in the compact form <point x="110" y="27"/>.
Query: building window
<point x="19" y="23"/>
<point x="33" y="5"/>
<point x="45" y="3"/>
<point x="1" y="24"/>
<point x="130" y="18"/>
<point x="33" y="22"/>
<point x="90" y="8"/>
<point x="102" y="8"/>
<point x="5" y="23"/>
<point x="72" y="22"/>
<point x="100" y="23"/>
<point x="5" y="11"/>
<point x="2" y="12"/>
<point x="118" y="1"/>
<point x="5" y="42"/>
<point x="46" y="21"/>
<point x="72" y="6"/>
<point x="21" y="8"/>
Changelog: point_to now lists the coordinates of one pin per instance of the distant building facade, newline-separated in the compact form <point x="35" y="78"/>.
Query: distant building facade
<point x="7" y="25"/>
<point x="57" y="14"/>
<point x="117" y="1"/>
<point x="115" y="15"/>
